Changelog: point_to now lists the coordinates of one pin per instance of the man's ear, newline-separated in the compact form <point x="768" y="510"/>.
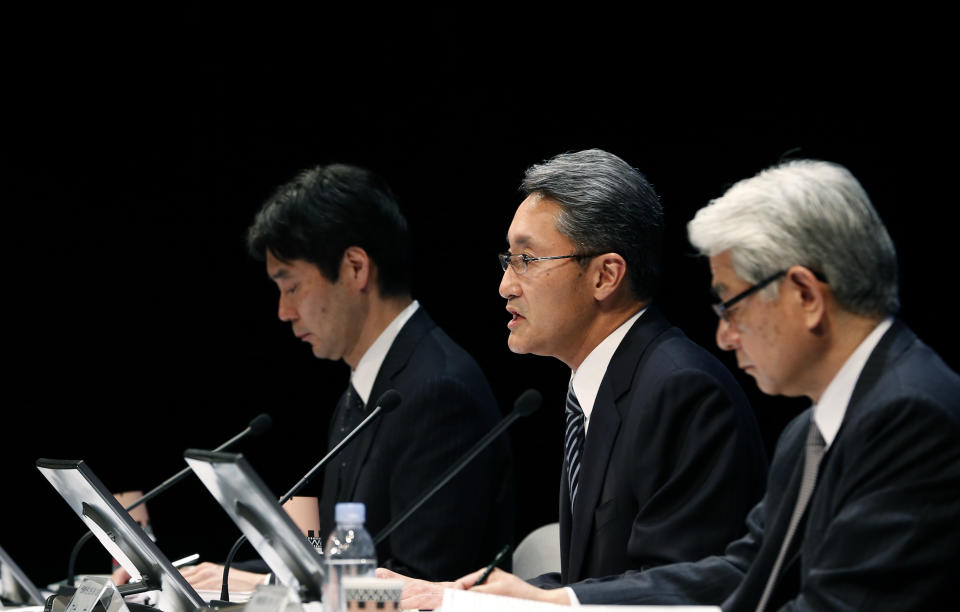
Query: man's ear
<point x="608" y="273"/>
<point x="355" y="268"/>
<point x="807" y="293"/>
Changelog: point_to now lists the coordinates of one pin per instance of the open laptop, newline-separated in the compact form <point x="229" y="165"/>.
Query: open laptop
<point x="119" y="533"/>
<point x="265" y="523"/>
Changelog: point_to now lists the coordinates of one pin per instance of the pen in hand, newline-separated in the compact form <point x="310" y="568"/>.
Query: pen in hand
<point x="486" y="573"/>
<point x="185" y="560"/>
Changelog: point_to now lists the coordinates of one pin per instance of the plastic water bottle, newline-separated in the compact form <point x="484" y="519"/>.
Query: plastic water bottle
<point x="349" y="552"/>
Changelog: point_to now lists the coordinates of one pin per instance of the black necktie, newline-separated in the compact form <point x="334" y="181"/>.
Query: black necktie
<point x="573" y="443"/>
<point x="350" y="417"/>
<point x="813" y="453"/>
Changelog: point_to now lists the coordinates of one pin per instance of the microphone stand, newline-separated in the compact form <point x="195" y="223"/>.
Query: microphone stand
<point x="387" y="402"/>
<point x="257" y="426"/>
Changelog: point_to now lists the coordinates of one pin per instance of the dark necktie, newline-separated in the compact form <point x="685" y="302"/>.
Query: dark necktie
<point x="350" y="417"/>
<point x="813" y="453"/>
<point x="573" y="443"/>
<point x="348" y="413"/>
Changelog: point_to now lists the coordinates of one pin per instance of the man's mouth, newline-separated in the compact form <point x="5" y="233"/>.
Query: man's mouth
<point x="515" y="319"/>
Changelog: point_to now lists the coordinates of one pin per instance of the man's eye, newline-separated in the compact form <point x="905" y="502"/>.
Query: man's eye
<point x="290" y="290"/>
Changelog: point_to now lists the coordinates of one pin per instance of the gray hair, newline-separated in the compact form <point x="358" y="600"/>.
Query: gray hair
<point x="809" y="213"/>
<point x="606" y="206"/>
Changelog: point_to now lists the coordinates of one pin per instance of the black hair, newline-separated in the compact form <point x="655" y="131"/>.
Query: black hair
<point x="326" y="209"/>
<point x="606" y="206"/>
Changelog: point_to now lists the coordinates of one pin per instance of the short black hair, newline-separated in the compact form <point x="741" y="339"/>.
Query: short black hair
<point x="606" y="206"/>
<point x="326" y="209"/>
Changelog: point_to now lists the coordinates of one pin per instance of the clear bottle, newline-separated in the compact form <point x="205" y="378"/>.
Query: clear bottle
<point x="349" y="552"/>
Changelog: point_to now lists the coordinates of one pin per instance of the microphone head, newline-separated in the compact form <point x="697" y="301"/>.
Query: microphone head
<point x="528" y="402"/>
<point x="260" y="424"/>
<point x="389" y="400"/>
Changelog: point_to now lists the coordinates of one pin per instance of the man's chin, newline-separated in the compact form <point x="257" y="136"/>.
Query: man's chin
<point x="765" y="386"/>
<point x="516" y="345"/>
<point x="319" y="353"/>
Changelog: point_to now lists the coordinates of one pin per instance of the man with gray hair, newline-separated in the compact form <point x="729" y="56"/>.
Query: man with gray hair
<point x="662" y="454"/>
<point x="863" y="497"/>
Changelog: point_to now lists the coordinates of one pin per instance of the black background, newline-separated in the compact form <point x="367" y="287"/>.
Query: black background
<point x="139" y="327"/>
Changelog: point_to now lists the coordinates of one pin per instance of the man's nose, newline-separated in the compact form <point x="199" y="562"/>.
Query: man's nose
<point x="509" y="287"/>
<point x="285" y="311"/>
<point x="727" y="336"/>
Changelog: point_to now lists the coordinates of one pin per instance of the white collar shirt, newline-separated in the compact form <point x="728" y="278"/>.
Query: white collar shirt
<point x="587" y="378"/>
<point x="829" y="411"/>
<point x="365" y="374"/>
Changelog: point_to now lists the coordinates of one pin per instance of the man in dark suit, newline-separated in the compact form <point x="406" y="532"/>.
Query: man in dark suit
<point x="864" y="492"/>
<point x="337" y="246"/>
<point x="671" y="458"/>
<point x="662" y="457"/>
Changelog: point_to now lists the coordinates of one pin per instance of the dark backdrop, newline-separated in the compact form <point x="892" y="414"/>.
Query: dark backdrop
<point x="139" y="327"/>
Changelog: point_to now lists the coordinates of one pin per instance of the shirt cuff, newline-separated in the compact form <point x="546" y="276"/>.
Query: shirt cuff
<point x="573" y="597"/>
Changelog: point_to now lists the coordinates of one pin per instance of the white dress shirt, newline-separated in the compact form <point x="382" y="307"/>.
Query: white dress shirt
<point x="364" y="375"/>
<point x="828" y="412"/>
<point x="587" y="378"/>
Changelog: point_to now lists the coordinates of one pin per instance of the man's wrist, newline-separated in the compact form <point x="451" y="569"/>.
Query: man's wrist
<point x="563" y="596"/>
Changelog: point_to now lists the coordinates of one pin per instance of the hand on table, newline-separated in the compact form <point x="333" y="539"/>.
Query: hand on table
<point x="417" y="594"/>
<point x="500" y="582"/>
<point x="426" y="595"/>
<point x="208" y="576"/>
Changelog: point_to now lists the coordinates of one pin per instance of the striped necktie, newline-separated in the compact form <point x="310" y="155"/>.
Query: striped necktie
<point x="573" y="443"/>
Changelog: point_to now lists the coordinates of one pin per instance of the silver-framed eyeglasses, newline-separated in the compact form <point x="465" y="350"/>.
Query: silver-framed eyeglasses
<point x="521" y="261"/>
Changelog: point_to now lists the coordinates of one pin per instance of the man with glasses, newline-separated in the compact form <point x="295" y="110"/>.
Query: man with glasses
<point x="662" y="454"/>
<point x="337" y="247"/>
<point x="863" y="498"/>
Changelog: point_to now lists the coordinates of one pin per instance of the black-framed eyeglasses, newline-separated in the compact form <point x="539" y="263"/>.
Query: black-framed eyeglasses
<point x="520" y="262"/>
<point x="723" y="308"/>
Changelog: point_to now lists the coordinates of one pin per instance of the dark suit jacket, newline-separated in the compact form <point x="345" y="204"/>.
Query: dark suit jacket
<point x="672" y="462"/>
<point x="447" y="406"/>
<point x="881" y="531"/>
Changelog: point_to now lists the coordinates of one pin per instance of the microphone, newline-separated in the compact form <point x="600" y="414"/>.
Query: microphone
<point x="525" y="405"/>
<point x="258" y="426"/>
<point x="390" y="399"/>
<point x="387" y="402"/>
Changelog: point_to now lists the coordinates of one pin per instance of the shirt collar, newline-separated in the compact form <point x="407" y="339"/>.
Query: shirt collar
<point x="364" y="375"/>
<point x="587" y="378"/>
<point x="828" y="412"/>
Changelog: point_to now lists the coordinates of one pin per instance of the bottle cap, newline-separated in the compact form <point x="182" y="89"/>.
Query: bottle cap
<point x="350" y="512"/>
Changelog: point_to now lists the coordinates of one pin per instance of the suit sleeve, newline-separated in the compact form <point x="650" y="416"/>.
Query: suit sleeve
<point x="550" y="580"/>
<point x="892" y="542"/>
<point x="442" y="540"/>
<point x="712" y="579"/>
<point x="700" y="469"/>
<point x="705" y="582"/>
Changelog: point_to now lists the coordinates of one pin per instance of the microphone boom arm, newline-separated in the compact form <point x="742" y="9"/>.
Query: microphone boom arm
<point x="450" y="473"/>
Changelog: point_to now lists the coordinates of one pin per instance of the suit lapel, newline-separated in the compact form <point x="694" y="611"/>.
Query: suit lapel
<point x="747" y="595"/>
<point x="896" y="340"/>
<point x="566" y="522"/>
<point x="397" y="357"/>
<point x="605" y="422"/>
